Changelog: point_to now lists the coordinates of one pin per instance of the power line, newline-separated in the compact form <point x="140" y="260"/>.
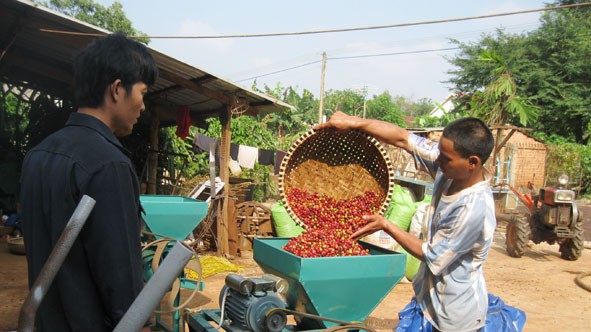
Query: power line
<point x="394" y="53"/>
<point x="279" y="71"/>
<point x="348" y="57"/>
<point x="468" y="18"/>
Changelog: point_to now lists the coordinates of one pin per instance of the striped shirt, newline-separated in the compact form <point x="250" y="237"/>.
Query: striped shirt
<point x="449" y="285"/>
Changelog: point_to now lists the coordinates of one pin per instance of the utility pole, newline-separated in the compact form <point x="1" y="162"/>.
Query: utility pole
<point x="322" y="88"/>
<point x="364" y="107"/>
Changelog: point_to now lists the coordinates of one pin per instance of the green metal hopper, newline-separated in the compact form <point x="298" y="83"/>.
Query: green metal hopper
<point x="341" y="288"/>
<point x="172" y="216"/>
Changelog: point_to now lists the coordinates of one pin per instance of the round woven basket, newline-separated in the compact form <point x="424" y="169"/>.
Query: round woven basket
<point x="339" y="164"/>
<point x="16" y="245"/>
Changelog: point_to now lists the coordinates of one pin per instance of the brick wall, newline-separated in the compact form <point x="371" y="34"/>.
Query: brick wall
<point x="522" y="159"/>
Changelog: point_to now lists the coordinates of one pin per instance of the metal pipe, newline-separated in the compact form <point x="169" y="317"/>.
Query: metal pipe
<point x="151" y="295"/>
<point x="26" y="319"/>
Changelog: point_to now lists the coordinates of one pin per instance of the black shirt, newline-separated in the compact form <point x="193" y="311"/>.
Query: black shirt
<point x="102" y="273"/>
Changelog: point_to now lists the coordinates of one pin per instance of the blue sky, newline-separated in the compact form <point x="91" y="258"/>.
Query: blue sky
<point x="414" y="76"/>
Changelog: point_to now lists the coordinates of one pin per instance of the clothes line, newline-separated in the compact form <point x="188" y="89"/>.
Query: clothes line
<point x="246" y="156"/>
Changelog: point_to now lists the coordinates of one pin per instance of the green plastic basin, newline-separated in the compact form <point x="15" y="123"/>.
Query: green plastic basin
<point x="342" y="288"/>
<point x="172" y="216"/>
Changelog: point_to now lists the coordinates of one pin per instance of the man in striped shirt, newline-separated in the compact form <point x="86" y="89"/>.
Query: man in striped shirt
<point x="449" y="286"/>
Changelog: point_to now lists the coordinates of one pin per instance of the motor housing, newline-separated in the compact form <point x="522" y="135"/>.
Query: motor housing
<point x="247" y="302"/>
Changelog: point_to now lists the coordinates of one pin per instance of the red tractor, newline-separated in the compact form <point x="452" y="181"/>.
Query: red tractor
<point x="553" y="218"/>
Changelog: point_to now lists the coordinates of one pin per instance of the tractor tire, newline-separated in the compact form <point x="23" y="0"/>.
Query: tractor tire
<point x="517" y="236"/>
<point x="572" y="249"/>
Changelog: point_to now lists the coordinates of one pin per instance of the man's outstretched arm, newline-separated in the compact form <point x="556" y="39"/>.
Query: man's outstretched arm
<point x="384" y="131"/>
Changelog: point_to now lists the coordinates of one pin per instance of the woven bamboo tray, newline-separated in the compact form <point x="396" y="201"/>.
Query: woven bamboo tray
<point x="340" y="164"/>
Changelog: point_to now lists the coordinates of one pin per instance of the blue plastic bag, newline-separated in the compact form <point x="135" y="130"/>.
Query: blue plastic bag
<point x="412" y="319"/>
<point x="499" y="318"/>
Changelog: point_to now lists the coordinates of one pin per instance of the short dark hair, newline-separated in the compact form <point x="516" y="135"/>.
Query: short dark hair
<point x="470" y="136"/>
<point x="107" y="59"/>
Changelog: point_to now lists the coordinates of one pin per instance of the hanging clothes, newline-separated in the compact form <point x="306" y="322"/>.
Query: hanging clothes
<point x="247" y="156"/>
<point x="183" y="122"/>
<point x="234" y="151"/>
<point x="266" y="157"/>
<point x="202" y="142"/>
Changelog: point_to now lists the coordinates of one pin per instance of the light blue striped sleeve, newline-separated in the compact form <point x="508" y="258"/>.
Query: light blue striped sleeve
<point x="424" y="152"/>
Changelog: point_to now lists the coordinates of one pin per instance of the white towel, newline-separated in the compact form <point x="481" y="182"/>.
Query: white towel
<point x="247" y="156"/>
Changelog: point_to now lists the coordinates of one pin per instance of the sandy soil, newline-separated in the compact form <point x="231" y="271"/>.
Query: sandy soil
<point x="540" y="283"/>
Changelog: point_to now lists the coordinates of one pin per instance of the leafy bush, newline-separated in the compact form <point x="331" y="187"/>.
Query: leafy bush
<point x="570" y="158"/>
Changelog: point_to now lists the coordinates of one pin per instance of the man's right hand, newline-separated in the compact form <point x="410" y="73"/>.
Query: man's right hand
<point x="342" y="121"/>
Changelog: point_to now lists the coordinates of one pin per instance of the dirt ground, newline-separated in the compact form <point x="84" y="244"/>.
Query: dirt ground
<point x="540" y="283"/>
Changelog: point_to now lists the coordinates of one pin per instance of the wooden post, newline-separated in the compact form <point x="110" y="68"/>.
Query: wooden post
<point x="233" y="237"/>
<point x="153" y="154"/>
<point x="498" y="146"/>
<point x="225" y="118"/>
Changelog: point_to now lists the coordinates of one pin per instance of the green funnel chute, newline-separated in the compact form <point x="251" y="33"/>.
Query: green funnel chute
<point x="172" y="216"/>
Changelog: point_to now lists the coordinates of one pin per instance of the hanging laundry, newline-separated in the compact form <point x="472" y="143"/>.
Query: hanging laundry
<point x="234" y="151"/>
<point x="247" y="156"/>
<point x="278" y="159"/>
<point x="202" y="142"/>
<point x="183" y="122"/>
<point x="266" y="157"/>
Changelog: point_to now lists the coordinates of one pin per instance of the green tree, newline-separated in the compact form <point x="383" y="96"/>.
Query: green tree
<point x="488" y="77"/>
<point x="347" y="101"/>
<point x="499" y="100"/>
<point x="382" y="107"/>
<point x="112" y="18"/>
<point x="409" y="107"/>
<point x="549" y="66"/>
<point x="560" y="77"/>
<point x="288" y="124"/>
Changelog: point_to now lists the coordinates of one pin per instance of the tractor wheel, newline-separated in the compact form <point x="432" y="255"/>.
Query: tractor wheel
<point x="517" y="236"/>
<point x="571" y="249"/>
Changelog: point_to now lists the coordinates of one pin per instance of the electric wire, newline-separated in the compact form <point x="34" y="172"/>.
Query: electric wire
<point x="345" y="58"/>
<point x="280" y="71"/>
<point x="399" y="25"/>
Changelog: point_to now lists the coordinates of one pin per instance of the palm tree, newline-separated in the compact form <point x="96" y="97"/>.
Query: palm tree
<point x="499" y="100"/>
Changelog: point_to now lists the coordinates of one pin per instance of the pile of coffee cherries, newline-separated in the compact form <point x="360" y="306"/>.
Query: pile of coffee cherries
<point x="329" y="223"/>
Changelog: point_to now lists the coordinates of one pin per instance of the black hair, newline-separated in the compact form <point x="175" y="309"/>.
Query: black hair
<point x="470" y="136"/>
<point x="107" y="59"/>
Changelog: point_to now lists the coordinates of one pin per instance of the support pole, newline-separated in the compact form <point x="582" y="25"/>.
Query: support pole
<point x="26" y="319"/>
<point x="153" y="154"/>
<point x="321" y="106"/>
<point x="225" y="119"/>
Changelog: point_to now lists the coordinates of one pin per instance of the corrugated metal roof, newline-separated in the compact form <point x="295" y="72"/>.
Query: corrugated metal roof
<point x="42" y="60"/>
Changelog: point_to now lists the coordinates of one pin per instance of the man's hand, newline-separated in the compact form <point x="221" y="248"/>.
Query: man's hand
<point x="375" y="223"/>
<point x="342" y="121"/>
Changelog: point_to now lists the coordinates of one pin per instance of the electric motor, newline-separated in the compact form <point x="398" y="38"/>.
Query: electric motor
<point x="252" y="304"/>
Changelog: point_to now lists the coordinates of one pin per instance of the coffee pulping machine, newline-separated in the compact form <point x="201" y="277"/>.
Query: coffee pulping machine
<point x="319" y="293"/>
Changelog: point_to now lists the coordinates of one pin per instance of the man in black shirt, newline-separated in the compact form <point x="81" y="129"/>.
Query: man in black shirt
<point x="102" y="274"/>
